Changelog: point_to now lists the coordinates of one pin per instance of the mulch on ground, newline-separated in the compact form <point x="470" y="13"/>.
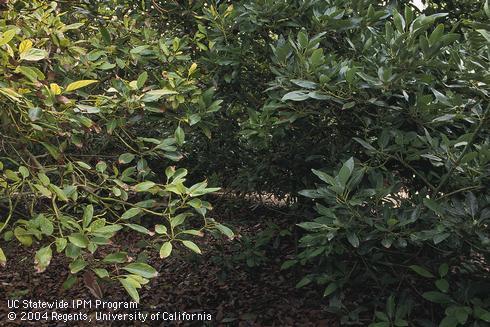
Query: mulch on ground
<point x="215" y="282"/>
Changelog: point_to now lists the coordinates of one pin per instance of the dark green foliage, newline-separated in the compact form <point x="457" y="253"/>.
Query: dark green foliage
<point x="405" y="97"/>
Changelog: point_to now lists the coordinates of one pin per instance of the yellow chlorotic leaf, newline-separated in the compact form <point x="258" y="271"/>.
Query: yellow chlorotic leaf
<point x="10" y="93"/>
<point x="79" y="84"/>
<point x="10" y="51"/>
<point x="3" y="259"/>
<point x="7" y="36"/>
<point x="25" y="46"/>
<point x="23" y="91"/>
<point x="55" y="88"/>
<point x="192" y="69"/>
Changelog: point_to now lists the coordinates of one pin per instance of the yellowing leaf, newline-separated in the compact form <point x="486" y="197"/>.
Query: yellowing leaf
<point x="10" y="93"/>
<point x="33" y="54"/>
<point x="141" y="269"/>
<point x="130" y="285"/>
<point x="43" y="258"/>
<point x="79" y="84"/>
<point x="25" y="46"/>
<point x="7" y="36"/>
<point x="192" y="246"/>
<point x="3" y="259"/>
<point x="165" y="250"/>
<point x="55" y="88"/>
<point x="192" y="69"/>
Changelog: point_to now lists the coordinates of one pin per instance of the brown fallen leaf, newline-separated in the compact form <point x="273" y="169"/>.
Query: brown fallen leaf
<point x="91" y="283"/>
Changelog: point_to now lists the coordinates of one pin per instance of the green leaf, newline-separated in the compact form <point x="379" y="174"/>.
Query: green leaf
<point x="305" y="84"/>
<point x="111" y="229"/>
<point x="131" y="213"/>
<point x="441" y="98"/>
<point x="324" y="177"/>
<point x="43" y="258"/>
<point x="179" y="219"/>
<point x="304" y="281"/>
<point x="105" y="34"/>
<point x="348" y="105"/>
<point x="444" y="118"/>
<point x="69" y="282"/>
<point x="179" y="135"/>
<point x="79" y="240"/>
<point x="380" y="324"/>
<point x="54" y="152"/>
<point x="83" y="165"/>
<point x="192" y="246"/>
<point x="364" y="144"/>
<point x="154" y="95"/>
<point x="225" y="231"/>
<point x="101" y="166"/>
<point x="437" y="297"/>
<point x="88" y="214"/>
<point x="160" y="229"/>
<point x="72" y="251"/>
<point x="421" y="271"/>
<point x="382" y="316"/>
<point x="390" y="306"/>
<point x="353" y="239"/>
<point x="169" y="171"/>
<point x="399" y="22"/>
<point x="165" y="250"/>
<point x="118" y="257"/>
<point x="432" y="205"/>
<point x="24" y="171"/>
<point x="126" y="158"/>
<point x="443" y="270"/>
<point x="59" y="192"/>
<point x="461" y="313"/>
<point x="346" y="171"/>
<point x="79" y="84"/>
<point x="481" y="313"/>
<point x="28" y="72"/>
<point x="288" y="264"/>
<point x="146" y="203"/>
<point x="144" y="186"/>
<point x="77" y="265"/>
<point x="60" y="244"/>
<point x="141" y="269"/>
<point x="101" y="272"/>
<point x="138" y="49"/>
<point x="142" y="80"/>
<point x="332" y="287"/>
<point x="485" y="34"/>
<point x="139" y="228"/>
<point x="438" y="238"/>
<point x="295" y="96"/>
<point x="442" y="285"/>
<point x="130" y="286"/>
<point x="436" y="34"/>
<point x="401" y="323"/>
<point x="449" y="321"/>
<point x="317" y="57"/>
<point x="45" y="225"/>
